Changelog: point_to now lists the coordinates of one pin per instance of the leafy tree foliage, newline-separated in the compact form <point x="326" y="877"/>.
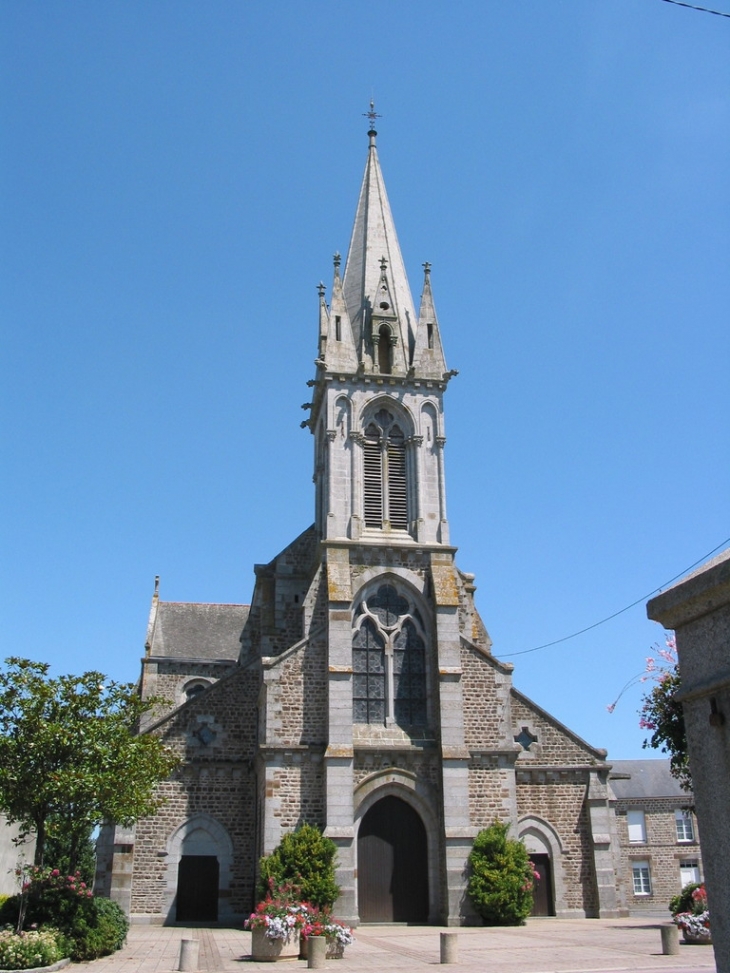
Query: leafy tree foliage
<point x="501" y="878"/>
<point x="305" y="861"/>
<point x="60" y="854"/>
<point x="90" y="926"/>
<point x="71" y="756"/>
<point x="661" y="713"/>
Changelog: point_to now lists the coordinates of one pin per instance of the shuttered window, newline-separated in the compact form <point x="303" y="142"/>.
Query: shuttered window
<point x="373" y="478"/>
<point x="385" y="481"/>
<point x="397" y="495"/>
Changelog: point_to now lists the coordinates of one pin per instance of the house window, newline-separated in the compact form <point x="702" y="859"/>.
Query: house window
<point x="685" y="826"/>
<point x="689" y="871"/>
<point x="388" y="661"/>
<point x="637" y="827"/>
<point x="642" y="880"/>
<point x="384" y="474"/>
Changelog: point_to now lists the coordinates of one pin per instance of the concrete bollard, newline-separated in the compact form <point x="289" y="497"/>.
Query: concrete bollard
<point x="316" y="952"/>
<point x="670" y="939"/>
<point x="189" y="952"/>
<point x="449" y="947"/>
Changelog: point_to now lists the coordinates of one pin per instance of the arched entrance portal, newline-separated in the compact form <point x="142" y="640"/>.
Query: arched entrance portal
<point x="392" y="864"/>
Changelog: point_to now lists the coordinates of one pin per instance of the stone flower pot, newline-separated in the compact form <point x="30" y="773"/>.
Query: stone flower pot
<point x="265" y="950"/>
<point x="702" y="938"/>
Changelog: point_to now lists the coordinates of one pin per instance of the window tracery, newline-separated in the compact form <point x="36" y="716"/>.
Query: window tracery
<point x="389" y="661"/>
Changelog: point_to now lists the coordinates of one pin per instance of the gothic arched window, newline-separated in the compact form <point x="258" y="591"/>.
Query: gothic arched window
<point x="385" y="485"/>
<point x="389" y="661"/>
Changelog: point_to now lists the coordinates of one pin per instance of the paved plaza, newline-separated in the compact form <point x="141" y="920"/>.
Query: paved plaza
<point x="541" y="946"/>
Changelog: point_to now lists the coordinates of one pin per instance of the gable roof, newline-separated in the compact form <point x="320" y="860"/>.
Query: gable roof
<point x="644" y="778"/>
<point x="189" y="630"/>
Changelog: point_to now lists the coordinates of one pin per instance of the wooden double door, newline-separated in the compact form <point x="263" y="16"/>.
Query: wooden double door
<point x="392" y="864"/>
<point x="197" y="888"/>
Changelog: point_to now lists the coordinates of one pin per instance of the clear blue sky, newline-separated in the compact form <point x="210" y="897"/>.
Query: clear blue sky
<point x="175" y="179"/>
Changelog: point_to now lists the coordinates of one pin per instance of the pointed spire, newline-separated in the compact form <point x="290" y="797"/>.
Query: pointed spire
<point x="374" y="238"/>
<point x="324" y="318"/>
<point x="341" y="353"/>
<point x="428" y="356"/>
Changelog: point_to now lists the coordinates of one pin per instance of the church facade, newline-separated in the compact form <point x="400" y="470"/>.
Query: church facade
<point x="358" y="691"/>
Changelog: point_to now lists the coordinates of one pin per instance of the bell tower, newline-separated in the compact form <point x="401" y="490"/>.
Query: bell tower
<point x="377" y="408"/>
<point x="393" y="592"/>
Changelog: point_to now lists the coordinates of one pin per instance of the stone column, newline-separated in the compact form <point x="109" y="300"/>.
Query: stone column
<point x="698" y="609"/>
<point x="458" y="833"/>
<point x="339" y="756"/>
<point x="606" y="859"/>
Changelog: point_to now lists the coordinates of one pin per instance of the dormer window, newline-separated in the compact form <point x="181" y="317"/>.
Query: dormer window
<point x="338" y="328"/>
<point x="429" y="332"/>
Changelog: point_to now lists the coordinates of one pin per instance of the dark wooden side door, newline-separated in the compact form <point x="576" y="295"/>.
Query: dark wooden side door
<point x="392" y="864"/>
<point x="197" y="889"/>
<point x="542" y="893"/>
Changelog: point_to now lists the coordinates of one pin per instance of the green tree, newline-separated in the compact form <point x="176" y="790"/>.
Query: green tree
<point x="661" y="713"/>
<point x="501" y="877"/>
<point x="304" y="859"/>
<point x="71" y="755"/>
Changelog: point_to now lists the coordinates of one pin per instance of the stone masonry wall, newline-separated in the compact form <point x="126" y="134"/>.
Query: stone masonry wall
<point x="661" y="850"/>
<point x="554" y="745"/>
<point x="491" y="794"/>
<point x="486" y="698"/>
<point x="298" y="789"/>
<point x="297" y="699"/>
<point x="559" y="798"/>
<point x="215" y="734"/>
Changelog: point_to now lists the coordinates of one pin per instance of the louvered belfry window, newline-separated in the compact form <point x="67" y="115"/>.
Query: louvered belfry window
<point x="385" y="482"/>
<point x="389" y="661"/>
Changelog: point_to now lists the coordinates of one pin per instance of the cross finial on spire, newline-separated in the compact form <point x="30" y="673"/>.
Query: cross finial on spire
<point x="372" y="115"/>
<point x="321" y="289"/>
<point x="337" y="260"/>
<point x="427" y="268"/>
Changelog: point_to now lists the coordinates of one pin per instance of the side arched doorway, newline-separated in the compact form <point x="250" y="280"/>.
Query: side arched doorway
<point x="392" y="864"/>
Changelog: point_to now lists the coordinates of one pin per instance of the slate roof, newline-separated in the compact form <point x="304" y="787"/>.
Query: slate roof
<point x="644" y="778"/>
<point x="188" y="630"/>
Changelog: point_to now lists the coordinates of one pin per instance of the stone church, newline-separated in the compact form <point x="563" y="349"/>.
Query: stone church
<point x="358" y="691"/>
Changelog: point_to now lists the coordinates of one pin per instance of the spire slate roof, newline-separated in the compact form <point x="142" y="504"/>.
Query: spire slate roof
<point x="374" y="237"/>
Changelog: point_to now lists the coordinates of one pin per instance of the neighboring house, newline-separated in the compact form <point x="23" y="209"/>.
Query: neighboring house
<point x="660" y="849"/>
<point x="11" y="855"/>
<point x="359" y="692"/>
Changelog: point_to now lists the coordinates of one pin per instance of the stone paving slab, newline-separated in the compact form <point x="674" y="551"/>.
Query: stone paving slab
<point x="541" y="946"/>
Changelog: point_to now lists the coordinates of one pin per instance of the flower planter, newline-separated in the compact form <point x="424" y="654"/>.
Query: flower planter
<point x="701" y="938"/>
<point x="266" y="950"/>
<point x="335" y="949"/>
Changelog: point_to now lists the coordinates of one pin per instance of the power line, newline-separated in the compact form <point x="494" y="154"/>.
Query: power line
<point x="608" y="618"/>
<point x="705" y="10"/>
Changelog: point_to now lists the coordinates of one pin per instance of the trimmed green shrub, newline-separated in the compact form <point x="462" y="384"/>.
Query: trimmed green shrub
<point x="683" y="902"/>
<point x="26" y="950"/>
<point x="501" y="877"/>
<point x="92" y="926"/>
<point x="304" y="861"/>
